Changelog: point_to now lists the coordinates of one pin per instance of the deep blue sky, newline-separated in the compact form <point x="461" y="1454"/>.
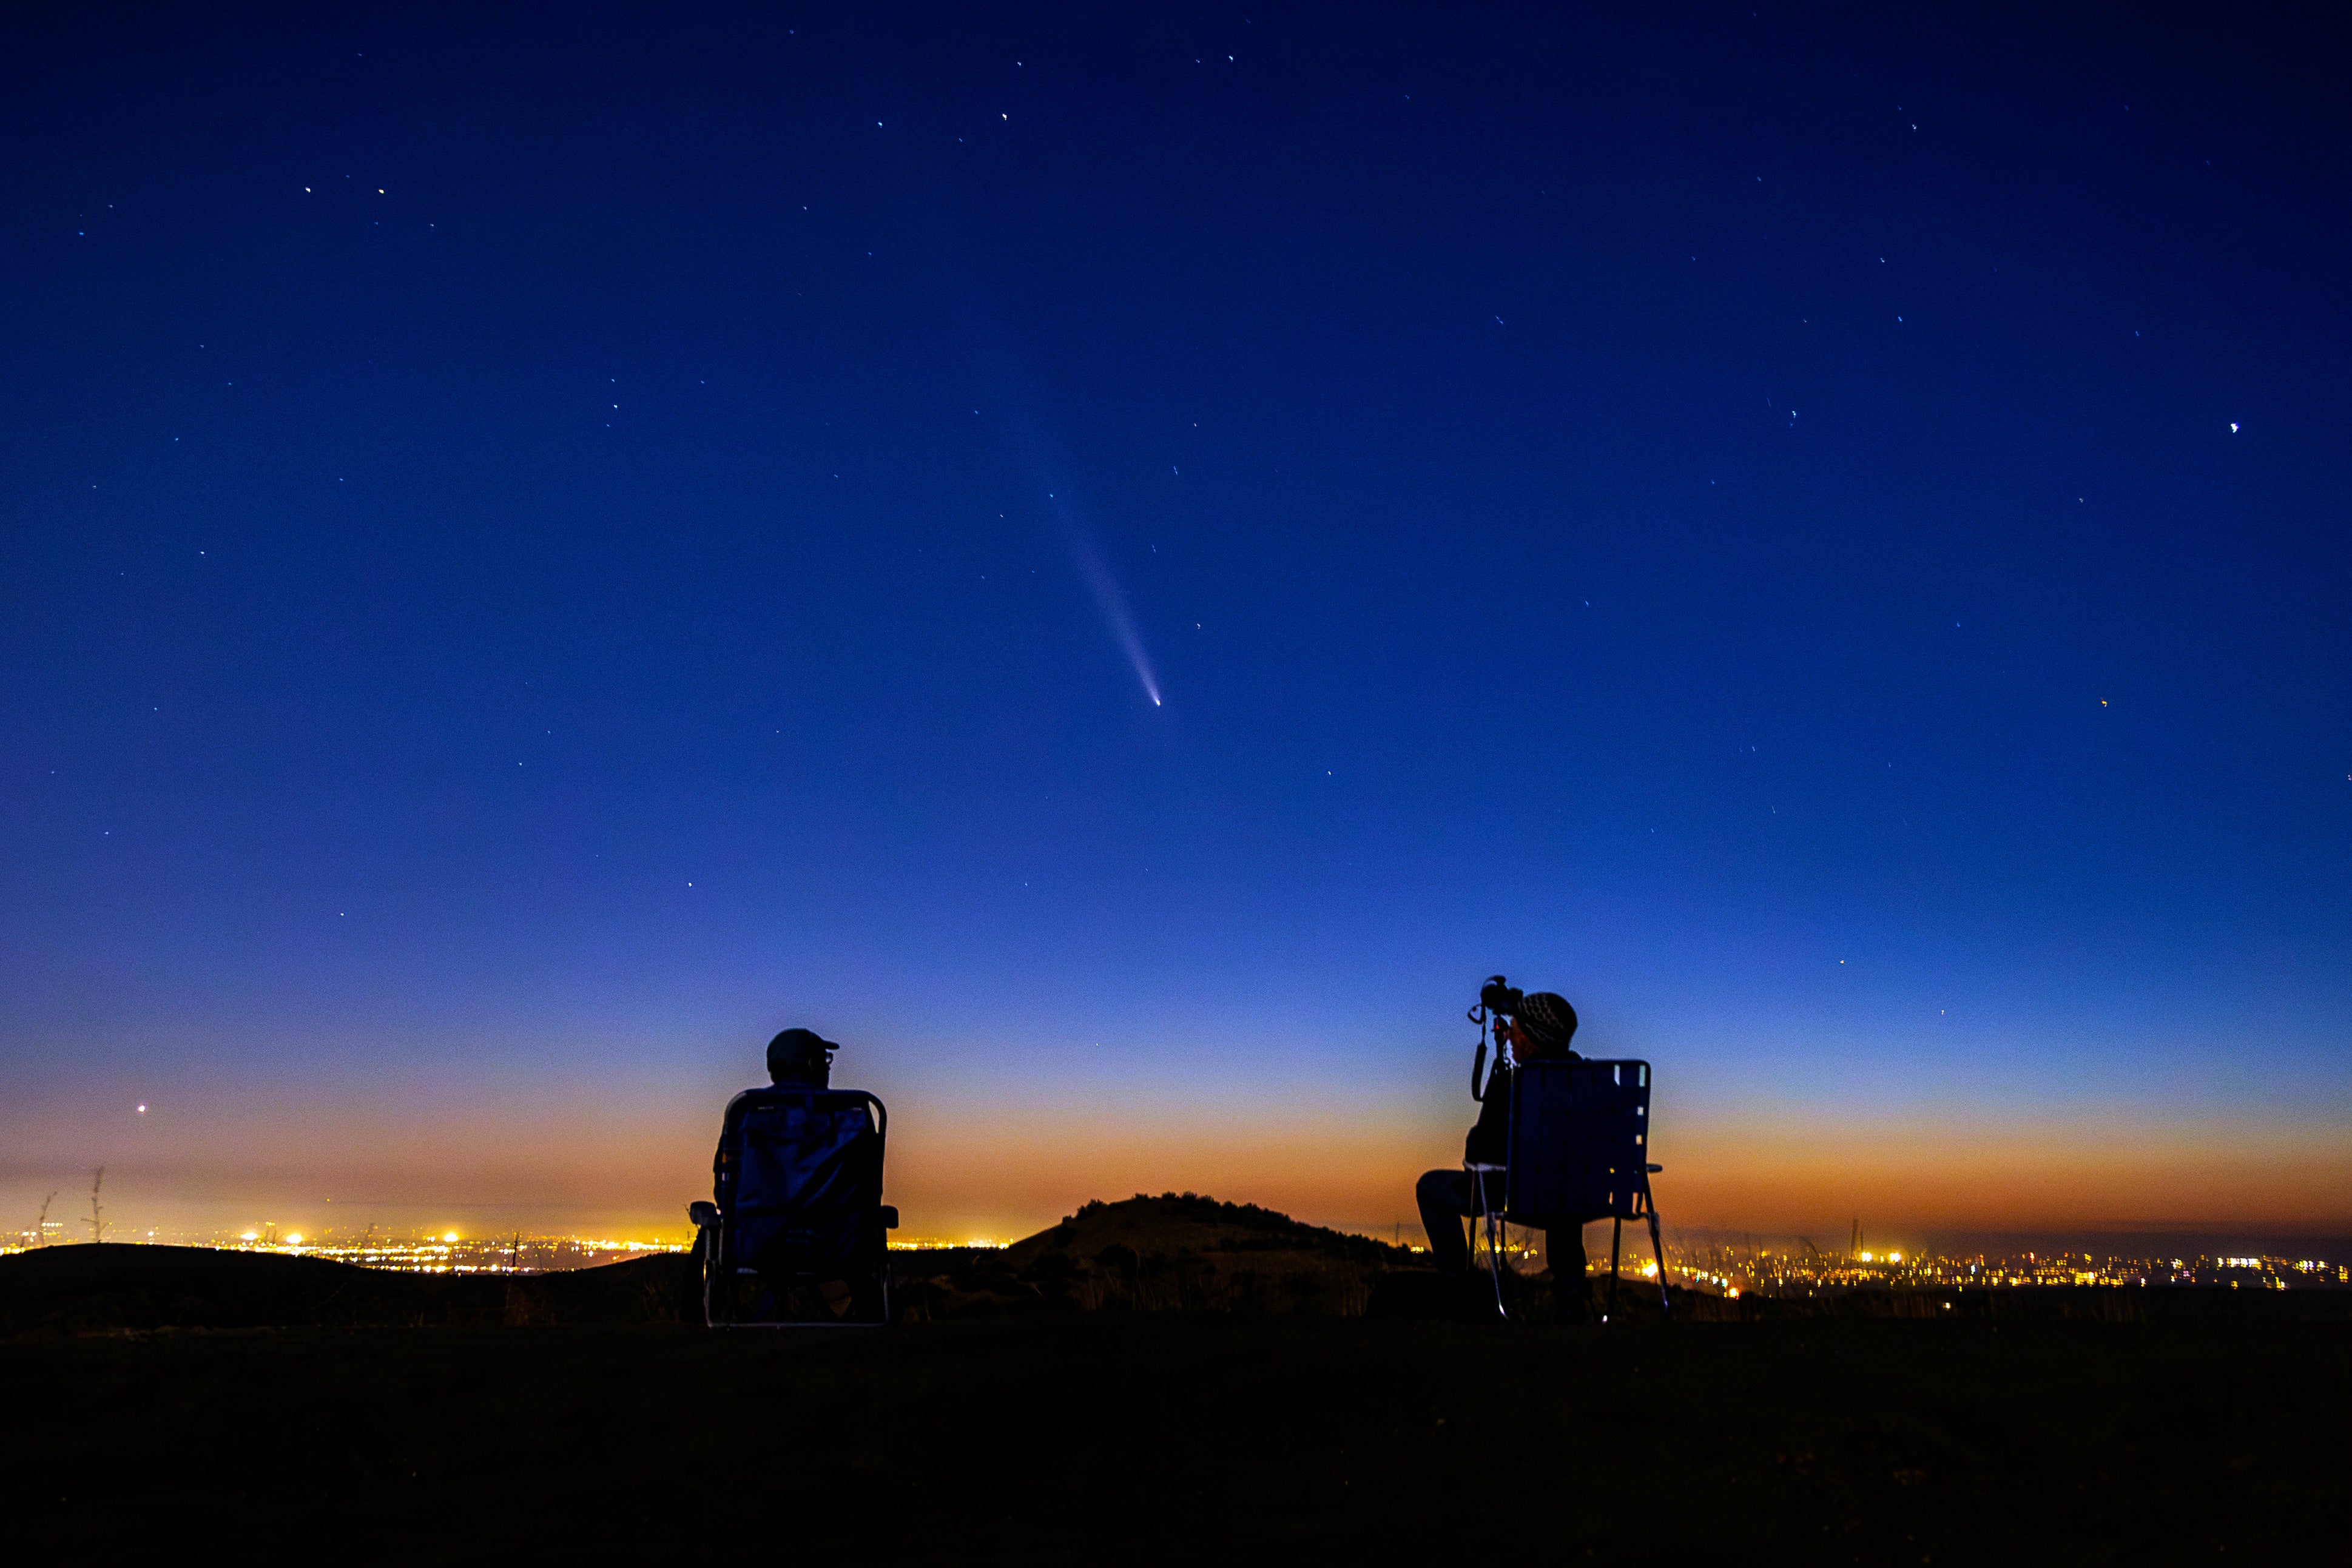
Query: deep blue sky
<point x="535" y="552"/>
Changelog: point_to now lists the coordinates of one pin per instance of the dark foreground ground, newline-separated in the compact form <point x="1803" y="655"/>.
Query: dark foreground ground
<point x="1124" y="1437"/>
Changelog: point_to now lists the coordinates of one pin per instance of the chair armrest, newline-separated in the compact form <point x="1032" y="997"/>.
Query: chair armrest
<point x="889" y="1216"/>
<point x="703" y="1214"/>
<point x="1653" y="1169"/>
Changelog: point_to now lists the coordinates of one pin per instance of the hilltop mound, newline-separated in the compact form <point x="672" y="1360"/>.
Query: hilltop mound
<point x="1173" y="1222"/>
<point x="114" y="1289"/>
<point x="1176" y="1253"/>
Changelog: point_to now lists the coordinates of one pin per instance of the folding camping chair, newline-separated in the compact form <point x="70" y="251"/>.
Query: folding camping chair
<point x="797" y="1233"/>
<point x="1580" y="1147"/>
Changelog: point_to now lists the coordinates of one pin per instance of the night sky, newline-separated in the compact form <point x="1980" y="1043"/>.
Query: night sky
<point x="1118" y="564"/>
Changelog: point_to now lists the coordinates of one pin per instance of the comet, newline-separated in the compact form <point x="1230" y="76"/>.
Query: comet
<point x="1086" y="554"/>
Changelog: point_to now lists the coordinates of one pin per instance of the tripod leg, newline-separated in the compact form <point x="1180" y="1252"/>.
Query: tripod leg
<point x="1495" y="1263"/>
<point x="1488" y="1221"/>
<point x="1616" y="1236"/>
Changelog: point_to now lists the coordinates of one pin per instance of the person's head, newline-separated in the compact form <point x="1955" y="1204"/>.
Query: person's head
<point x="801" y="1056"/>
<point x="1545" y="1025"/>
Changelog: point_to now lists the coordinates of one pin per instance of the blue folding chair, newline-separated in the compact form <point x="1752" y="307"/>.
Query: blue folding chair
<point x="1579" y="1151"/>
<point x="797" y="1234"/>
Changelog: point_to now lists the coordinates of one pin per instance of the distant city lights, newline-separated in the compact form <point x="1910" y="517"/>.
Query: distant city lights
<point x="1771" y="1271"/>
<point x="1731" y="1271"/>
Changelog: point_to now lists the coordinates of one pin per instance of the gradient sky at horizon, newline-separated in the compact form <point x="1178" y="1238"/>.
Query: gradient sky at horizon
<point x="540" y="549"/>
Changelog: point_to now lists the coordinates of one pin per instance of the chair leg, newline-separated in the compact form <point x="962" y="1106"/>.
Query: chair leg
<point x="711" y="1242"/>
<point x="1657" y="1248"/>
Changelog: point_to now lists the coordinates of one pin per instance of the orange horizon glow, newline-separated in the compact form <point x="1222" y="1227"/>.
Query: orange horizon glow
<point x="1000" y="1176"/>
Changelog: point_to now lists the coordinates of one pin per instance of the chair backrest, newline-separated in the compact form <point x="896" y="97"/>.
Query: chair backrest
<point x="1580" y="1142"/>
<point x="798" y="1181"/>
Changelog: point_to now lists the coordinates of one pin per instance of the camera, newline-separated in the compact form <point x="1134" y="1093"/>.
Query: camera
<point x="1501" y="998"/>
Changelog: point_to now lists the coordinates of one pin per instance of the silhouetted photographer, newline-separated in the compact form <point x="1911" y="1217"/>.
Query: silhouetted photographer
<point x="1528" y="1026"/>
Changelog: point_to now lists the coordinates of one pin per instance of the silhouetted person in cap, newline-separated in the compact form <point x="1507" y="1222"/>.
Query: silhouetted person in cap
<point x="801" y="1059"/>
<point x="1534" y="1025"/>
<point x="797" y="1059"/>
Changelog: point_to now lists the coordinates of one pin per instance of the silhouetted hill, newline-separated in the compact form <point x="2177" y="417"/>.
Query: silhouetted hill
<point x="1176" y="1253"/>
<point x="1171" y="1253"/>
<point x="380" y="1414"/>
<point x="1175" y="1222"/>
<point x="112" y="1288"/>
